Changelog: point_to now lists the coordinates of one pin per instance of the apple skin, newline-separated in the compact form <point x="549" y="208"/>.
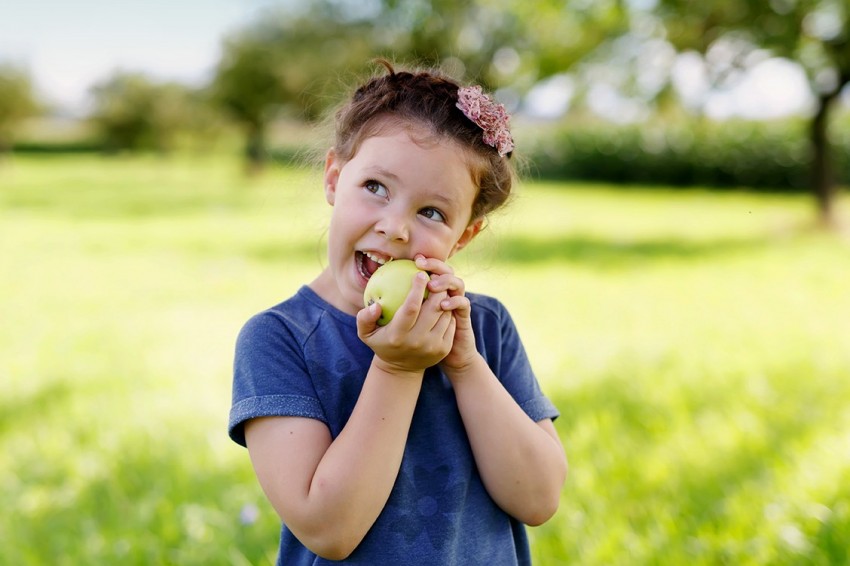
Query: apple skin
<point x="389" y="287"/>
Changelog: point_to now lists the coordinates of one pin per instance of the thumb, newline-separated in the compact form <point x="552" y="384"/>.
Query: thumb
<point x="367" y="319"/>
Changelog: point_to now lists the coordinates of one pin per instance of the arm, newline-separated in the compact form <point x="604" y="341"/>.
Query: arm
<point x="329" y="492"/>
<point x="522" y="463"/>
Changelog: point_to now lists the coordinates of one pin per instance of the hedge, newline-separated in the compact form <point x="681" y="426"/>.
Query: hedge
<point x="758" y="155"/>
<point x="54" y="147"/>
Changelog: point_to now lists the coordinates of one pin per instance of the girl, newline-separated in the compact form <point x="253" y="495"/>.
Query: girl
<point x="426" y="441"/>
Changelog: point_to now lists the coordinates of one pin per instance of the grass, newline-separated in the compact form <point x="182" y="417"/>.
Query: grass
<point x="697" y="344"/>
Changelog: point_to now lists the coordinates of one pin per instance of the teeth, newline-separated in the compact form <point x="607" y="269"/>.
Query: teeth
<point x="377" y="259"/>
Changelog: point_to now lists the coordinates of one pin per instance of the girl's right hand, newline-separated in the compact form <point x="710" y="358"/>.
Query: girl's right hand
<point x="419" y="336"/>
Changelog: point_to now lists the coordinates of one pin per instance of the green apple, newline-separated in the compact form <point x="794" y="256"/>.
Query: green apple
<point x="389" y="286"/>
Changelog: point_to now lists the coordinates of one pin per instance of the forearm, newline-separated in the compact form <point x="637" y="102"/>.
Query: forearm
<point x="523" y="467"/>
<point x="359" y="469"/>
<point x="339" y="500"/>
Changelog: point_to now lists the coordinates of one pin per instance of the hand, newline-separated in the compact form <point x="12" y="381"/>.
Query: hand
<point x="419" y="335"/>
<point x="444" y="282"/>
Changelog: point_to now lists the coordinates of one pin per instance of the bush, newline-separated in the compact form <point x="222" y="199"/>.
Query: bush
<point x="759" y="155"/>
<point x="52" y="147"/>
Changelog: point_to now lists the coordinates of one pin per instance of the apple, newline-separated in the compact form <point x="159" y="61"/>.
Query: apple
<point x="389" y="287"/>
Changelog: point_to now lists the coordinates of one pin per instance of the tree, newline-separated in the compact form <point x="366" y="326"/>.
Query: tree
<point x="284" y="63"/>
<point x="17" y="102"/>
<point x="498" y="43"/>
<point x="289" y="61"/>
<point x="133" y="112"/>
<point x="471" y="39"/>
<point x="814" y="33"/>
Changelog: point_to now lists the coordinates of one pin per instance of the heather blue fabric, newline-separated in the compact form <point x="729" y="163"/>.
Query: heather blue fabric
<point x="303" y="358"/>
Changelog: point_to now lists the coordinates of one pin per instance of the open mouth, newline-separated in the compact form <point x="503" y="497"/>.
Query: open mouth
<point x="368" y="262"/>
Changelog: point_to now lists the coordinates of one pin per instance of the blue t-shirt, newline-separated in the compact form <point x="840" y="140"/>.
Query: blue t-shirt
<point x="303" y="358"/>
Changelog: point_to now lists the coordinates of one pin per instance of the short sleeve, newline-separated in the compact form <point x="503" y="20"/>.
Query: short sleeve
<point x="504" y="351"/>
<point x="270" y="376"/>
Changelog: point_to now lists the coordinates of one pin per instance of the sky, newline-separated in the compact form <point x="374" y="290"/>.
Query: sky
<point x="69" y="45"/>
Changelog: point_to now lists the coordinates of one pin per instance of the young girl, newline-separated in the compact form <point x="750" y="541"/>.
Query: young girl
<point x="428" y="440"/>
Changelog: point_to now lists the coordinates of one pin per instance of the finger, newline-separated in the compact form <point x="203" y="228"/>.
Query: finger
<point x="451" y="283"/>
<point x="442" y="324"/>
<point x="433" y="265"/>
<point x="412" y="305"/>
<point x="434" y="299"/>
<point x="367" y="319"/>
<point x="431" y="310"/>
<point x="460" y="305"/>
<point x="449" y="332"/>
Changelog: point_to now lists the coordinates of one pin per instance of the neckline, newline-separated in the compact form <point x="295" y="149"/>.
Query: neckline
<point x="312" y="296"/>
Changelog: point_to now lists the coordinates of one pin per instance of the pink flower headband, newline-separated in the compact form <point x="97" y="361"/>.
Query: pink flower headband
<point x="488" y="115"/>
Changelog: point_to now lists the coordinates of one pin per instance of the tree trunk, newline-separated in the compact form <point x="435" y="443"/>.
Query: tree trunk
<point x="823" y="182"/>
<point x="255" y="149"/>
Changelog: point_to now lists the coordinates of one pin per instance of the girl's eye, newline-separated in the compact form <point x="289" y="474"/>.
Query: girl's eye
<point x="376" y="188"/>
<point x="433" y="214"/>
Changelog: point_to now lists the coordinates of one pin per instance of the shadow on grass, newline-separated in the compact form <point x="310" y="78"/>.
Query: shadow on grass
<point x="112" y="202"/>
<point x="263" y="251"/>
<point x="137" y="188"/>
<point x="284" y="252"/>
<point x="598" y="253"/>
<point x="610" y="253"/>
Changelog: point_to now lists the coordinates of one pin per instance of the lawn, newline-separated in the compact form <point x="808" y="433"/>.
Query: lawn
<point x="696" y="343"/>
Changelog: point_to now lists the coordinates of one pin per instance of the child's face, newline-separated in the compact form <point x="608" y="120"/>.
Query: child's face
<point x="395" y="198"/>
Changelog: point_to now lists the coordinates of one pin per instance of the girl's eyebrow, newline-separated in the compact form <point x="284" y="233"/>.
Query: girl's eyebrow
<point x="381" y="172"/>
<point x="448" y="202"/>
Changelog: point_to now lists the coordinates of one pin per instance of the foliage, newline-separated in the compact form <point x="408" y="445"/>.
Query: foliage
<point x="134" y="112"/>
<point x="17" y="102"/>
<point x="462" y="37"/>
<point x="285" y="65"/>
<point x="290" y="61"/>
<point x="753" y="155"/>
<point x="63" y="146"/>
<point x="554" y="36"/>
<point x="497" y="43"/>
<point x="696" y="343"/>
<point x="813" y="33"/>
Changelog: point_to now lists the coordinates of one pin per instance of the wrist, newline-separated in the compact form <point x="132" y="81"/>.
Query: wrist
<point x="459" y="372"/>
<point x="396" y="370"/>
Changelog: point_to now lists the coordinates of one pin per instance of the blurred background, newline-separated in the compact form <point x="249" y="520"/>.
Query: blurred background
<point x="677" y="259"/>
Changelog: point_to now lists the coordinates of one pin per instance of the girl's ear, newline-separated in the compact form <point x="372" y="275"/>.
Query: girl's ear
<point x="468" y="234"/>
<point x="331" y="177"/>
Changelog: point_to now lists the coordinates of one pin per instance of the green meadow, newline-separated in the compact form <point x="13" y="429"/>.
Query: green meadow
<point x="697" y="344"/>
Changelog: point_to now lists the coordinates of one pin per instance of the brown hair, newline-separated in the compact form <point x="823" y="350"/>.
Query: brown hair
<point x="425" y="98"/>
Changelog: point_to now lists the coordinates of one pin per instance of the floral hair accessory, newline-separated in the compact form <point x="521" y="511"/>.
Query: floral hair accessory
<point x="488" y="115"/>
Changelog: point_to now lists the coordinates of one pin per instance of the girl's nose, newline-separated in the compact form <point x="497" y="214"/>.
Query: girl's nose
<point x="393" y="227"/>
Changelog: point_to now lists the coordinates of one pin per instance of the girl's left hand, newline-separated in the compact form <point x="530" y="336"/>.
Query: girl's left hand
<point x="443" y="279"/>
